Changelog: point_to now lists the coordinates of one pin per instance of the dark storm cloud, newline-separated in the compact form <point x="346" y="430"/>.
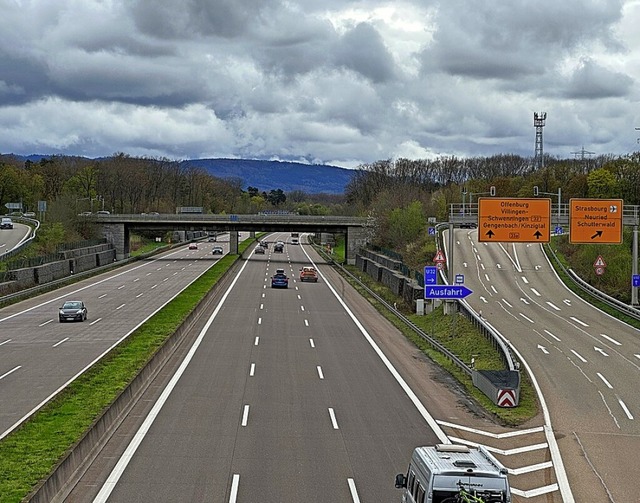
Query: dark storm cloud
<point x="592" y="81"/>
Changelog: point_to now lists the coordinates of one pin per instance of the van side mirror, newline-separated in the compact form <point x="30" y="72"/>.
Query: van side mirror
<point x="401" y="481"/>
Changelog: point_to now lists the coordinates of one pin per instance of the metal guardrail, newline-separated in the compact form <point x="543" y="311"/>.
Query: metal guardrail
<point x="32" y="235"/>
<point x="630" y="311"/>
<point x="497" y="339"/>
<point x="433" y="342"/>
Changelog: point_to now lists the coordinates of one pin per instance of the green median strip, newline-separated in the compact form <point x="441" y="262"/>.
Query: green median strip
<point x="30" y="453"/>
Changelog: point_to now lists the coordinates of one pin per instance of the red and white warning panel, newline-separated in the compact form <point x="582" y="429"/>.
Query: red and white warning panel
<point x="507" y="398"/>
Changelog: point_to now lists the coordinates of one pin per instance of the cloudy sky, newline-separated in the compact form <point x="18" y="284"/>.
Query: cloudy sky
<point x="334" y="81"/>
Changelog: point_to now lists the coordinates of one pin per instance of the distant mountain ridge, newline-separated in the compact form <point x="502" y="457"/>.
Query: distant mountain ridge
<point x="267" y="175"/>
<point x="271" y="175"/>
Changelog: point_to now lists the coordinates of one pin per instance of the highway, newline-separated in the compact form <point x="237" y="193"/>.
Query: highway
<point x="282" y="398"/>
<point x="586" y="363"/>
<point x="39" y="355"/>
<point x="10" y="238"/>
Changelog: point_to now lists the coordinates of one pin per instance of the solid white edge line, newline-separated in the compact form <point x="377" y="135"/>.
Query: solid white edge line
<point x="234" y="488"/>
<point x="118" y="470"/>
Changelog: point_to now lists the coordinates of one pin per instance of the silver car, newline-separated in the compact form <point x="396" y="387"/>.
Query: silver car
<point x="72" y="310"/>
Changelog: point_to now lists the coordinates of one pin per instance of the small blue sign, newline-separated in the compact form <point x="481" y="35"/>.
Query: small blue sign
<point x="432" y="231"/>
<point x="635" y="278"/>
<point x="459" y="279"/>
<point x="446" y="292"/>
<point x="559" y="231"/>
<point x="430" y="275"/>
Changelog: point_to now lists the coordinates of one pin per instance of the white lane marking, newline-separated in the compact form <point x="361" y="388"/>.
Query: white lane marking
<point x="256" y="341"/>
<point x="580" y="322"/>
<point x="312" y="344"/>
<point x="543" y="349"/>
<point x="579" y="356"/>
<point x="302" y="308"/>
<point x="252" y="371"/>
<point x="9" y="340"/>
<point x="525" y="280"/>
<point x="299" y="297"/>
<point x="139" y="295"/>
<point x="10" y="372"/>
<point x="604" y="380"/>
<point x="121" y="287"/>
<point x="636" y="355"/>
<point x="494" y="289"/>
<point x="551" y="335"/>
<point x="625" y="409"/>
<point x="263" y="295"/>
<point x="522" y="299"/>
<point x="320" y="374"/>
<point x="120" y="307"/>
<point x="306" y="323"/>
<point x="553" y="306"/>
<point x="102" y="296"/>
<point x="486" y="276"/>
<point x="58" y="343"/>
<point x="507" y="303"/>
<point x="526" y="318"/>
<point x="94" y="322"/>
<point x="245" y="415"/>
<point x="234" y="488"/>
<point x="45" y="323"/>
<point x="165" y="279"/>
<point x="442" y="437"/>
<point x="154" y="286"/>
<point x="137" y="279"/>
<point x="600" y="350"/>
<point x="354" y="492"/>
<point x="334" y="422"/>
<point x="261" y="306"/>
<point x="613" y="341"/>
<point x="259" y="321"/>
<point x="536" y="292"/>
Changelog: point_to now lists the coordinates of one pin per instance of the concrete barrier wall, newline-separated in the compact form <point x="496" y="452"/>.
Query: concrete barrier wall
<point x="52" y="271"/>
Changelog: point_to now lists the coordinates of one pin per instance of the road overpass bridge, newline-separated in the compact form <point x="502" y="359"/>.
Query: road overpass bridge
<point x="117" y="228"/>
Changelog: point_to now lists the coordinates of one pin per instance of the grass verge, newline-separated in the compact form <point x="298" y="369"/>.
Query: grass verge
<point x="30" y="453"/>
<point x="459" y="336"/>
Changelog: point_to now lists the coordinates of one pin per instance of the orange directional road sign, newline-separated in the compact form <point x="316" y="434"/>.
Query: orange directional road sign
<point x="596" y="221"/>
<point x="514" y="219"/>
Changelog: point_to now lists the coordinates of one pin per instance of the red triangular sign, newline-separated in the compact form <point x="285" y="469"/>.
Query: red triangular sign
<point x="599" y="262"/>
<point x="439" y="257"/>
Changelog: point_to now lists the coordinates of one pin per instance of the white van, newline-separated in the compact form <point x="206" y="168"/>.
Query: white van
<point x="438" y="473"/>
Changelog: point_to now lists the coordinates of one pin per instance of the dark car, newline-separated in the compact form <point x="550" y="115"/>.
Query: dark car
<point x="259" y="250"/>
<point x="279" y="280"/>
<point x="72" y="310"/>
<point x="278" y="248"/>
<point x="217" y="250"/>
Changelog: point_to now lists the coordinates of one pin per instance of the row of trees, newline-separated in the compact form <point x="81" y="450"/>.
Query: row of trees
<point x="401" y="194"/>
<point x="124" y="184"/>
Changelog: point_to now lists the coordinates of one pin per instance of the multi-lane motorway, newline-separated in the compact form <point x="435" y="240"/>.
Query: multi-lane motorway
<point x="307" y="393"/>
<point x="39" y="355"/>
<point x="586" y="363"/>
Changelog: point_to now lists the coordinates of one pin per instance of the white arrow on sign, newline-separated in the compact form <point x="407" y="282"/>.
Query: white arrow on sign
<point x="543" y="349"/>
<point x="600" y="351"/>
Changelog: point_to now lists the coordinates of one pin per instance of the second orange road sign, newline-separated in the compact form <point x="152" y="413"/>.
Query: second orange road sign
<point x="595" y="221"/>
<point x="514" y="220"/>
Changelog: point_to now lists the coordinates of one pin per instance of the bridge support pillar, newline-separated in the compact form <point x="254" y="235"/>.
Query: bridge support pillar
<point x="356" y="238"/>
<point x="118" y="236"/>
<point x="233" y="242"/>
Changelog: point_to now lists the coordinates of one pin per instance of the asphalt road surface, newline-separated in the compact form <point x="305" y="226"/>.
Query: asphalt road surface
<point x="39" y="355"/>
<point x="587" y="363"/>
<point x="284" y="399"/>
<point x="10" y="238"/>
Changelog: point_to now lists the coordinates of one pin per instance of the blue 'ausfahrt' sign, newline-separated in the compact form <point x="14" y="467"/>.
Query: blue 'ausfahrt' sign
<point x="446" y="292"/>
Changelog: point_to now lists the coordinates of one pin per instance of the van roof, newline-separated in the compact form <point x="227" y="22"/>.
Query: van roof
<point x="452" y="458"/>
